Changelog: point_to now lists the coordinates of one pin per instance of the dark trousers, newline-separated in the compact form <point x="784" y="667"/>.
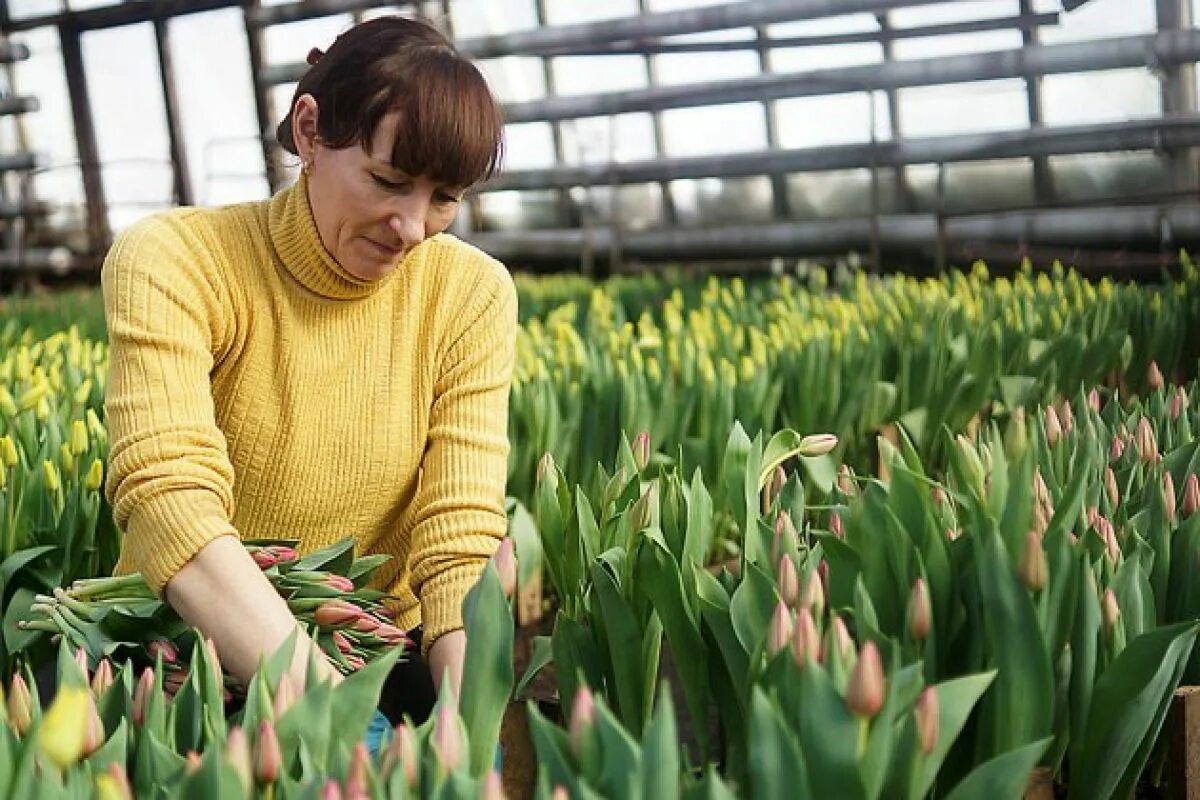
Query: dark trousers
<point x="407" y="691"/>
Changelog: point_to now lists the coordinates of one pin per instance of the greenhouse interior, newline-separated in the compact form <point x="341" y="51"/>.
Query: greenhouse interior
<point x="568" y="399"/>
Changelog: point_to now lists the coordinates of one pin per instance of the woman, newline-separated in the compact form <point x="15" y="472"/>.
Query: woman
<point x="324" y="363"/>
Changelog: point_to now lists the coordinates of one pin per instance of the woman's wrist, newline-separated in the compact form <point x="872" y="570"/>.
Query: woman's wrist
<point x="446" y="657"/>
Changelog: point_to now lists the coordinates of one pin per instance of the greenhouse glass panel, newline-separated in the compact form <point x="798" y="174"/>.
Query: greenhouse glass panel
<point x="225" y="160"/>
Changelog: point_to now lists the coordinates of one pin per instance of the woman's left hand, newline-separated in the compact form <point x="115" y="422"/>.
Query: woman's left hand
<point x="446" y="657"/>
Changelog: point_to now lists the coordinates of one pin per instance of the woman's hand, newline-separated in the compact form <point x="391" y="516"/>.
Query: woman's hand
<point x="446" y="657"/>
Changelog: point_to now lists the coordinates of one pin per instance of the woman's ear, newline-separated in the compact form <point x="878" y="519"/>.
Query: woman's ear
<point x="305" y="114"/>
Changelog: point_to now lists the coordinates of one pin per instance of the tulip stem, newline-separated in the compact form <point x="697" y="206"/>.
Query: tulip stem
<point x="864" y="730"/>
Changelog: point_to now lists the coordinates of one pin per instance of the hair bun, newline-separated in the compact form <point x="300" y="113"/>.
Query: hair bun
<point x="314" y="56"/>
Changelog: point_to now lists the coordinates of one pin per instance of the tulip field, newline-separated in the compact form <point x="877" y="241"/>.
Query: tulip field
<point x="807" y="536"/>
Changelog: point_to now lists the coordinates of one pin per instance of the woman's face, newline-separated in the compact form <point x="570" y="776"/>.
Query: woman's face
<point x="369" y="215"/>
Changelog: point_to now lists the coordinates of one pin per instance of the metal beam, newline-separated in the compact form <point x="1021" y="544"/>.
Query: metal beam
<point x="1043" y="185"/>
<point x="263" y="106"/>
<point x="12" y="51"/>
<point x="660" y="47"/>
<point x="18" y="162"/>
<point x="669" y="23"/>
<point x="18" y="105"/>
<point x="179" y="164"/>
<point x="1178" y="89"/>
<point x="1149" y="134"/>
<point x="99" y="235"/>
<point x="265" y="16"/>
<point x="1116" y="226"/>
<point x="1169" y="47"/>
<point x="118" y="14"/>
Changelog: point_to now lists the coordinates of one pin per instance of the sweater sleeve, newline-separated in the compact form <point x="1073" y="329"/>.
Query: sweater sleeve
<point x="458" y="513"/>
<point x="170" y="481"/>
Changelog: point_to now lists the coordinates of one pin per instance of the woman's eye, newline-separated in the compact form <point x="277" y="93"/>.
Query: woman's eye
<point x="446" y="199"/>
<point x="383" y="182"/>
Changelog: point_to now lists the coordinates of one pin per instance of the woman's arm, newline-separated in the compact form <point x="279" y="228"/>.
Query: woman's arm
<point x="446" y="658"/>
<point x="250" y="622"/>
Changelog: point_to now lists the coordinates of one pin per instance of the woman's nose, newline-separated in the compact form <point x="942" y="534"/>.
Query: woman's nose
<point x="408" y="223"/>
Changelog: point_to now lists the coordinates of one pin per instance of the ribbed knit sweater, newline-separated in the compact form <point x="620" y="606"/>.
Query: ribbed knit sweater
<point x="258" y="389"/>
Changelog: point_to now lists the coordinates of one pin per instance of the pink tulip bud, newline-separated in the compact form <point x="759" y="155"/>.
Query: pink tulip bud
<point x="865" y="691"/>
<point x="806" y="642"/>
<point x="1168" y="490"/>
<point x="141" y="696"/>
<point x="845" y="481"/>
<point x="641" y="450"/>
<point x="447" y="744"/>
<point x="1154" y="377"/>
<point x="191" y="763"/>
<point x="331" y="790"/>
<point x="94" y="734"/>
<point x="20" y="704"/>
<point x="818" y="444"/>
<point x="355" y="662"/>
<point x="1191" y="496"/>
<point x="265" y="559"/>
<point x="493" y="786"/>
<point x="560" y="793"/>
<point x="1066" y="418"/>
<point x="823" y="571"/>
<point x="1110" y="487"/>
<point x="391" y="634"/>
<point x="1094" y="400"/>
<point x="1178" y="401"/>
<point x="343" y="644"/>
<point x="1033" y="568"/>
<point x="283" y="554"/>
<point x="546" y="468"/>
<point x="814" y="594"/>
<point x="157" y="647"/>
<point x="927" y="713"/>
<point x="402" y="754"/>
<point x="1116" y="449"/>
<point x="1112" y="547"/>
<point x="920" y="612"/>
<point x="285" y="696"/>
<point x="102" y="679"/>
<point x="366" y="624"/>
<point x="842" y="640"/>
<point x="173" y="680"/>
<point x="1110" y="610"/>
<point x="356" y="777"/>
<point x="781" y="629"/>
<point x="789" y="582"/>
<point x="116" y="771"/>
<point x="268" y="759"/>
<point x="1147" y="445"/>
<point x="1052" y="426"/>
<point x="334" y="614"/>
<point x="81" y="658"/>
<point x="641" y="513"/>
<point x="339" y="583"/>
<point x="773" y="488"/>
<point x="1041" y="492"/>
<point x="237" y="756"/>
<point x="583" y="716"/>
<point x="505" y="562"/>
<point x="952" y="534"/>
<point x="835" y="525"/>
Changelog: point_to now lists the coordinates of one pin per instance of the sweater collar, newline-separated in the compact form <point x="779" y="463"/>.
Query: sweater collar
<point x="296" y="240"/>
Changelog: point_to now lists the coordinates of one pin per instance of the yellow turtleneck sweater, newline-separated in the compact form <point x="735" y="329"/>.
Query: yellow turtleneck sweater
<point x="258" y="389"/>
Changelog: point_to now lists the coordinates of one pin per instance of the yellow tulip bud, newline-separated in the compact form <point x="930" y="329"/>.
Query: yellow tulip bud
<point x="32" y="396"/>
<point x="50" y="473"/>
<point x="61" y="735"/>
<point x="42" y="412"/>
<point x="79" y="438"/>
<point x="95" y="476"/>
<point x="66" y="458"/>
<point x="7" y="404"/>
<point x="83" y="391"/>
<point x="8" y="451"/>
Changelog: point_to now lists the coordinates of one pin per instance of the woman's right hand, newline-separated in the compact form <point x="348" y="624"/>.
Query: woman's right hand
<point x="224" y="594"/>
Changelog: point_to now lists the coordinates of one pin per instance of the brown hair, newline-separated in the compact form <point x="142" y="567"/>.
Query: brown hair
<point x="450" y="128"/>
